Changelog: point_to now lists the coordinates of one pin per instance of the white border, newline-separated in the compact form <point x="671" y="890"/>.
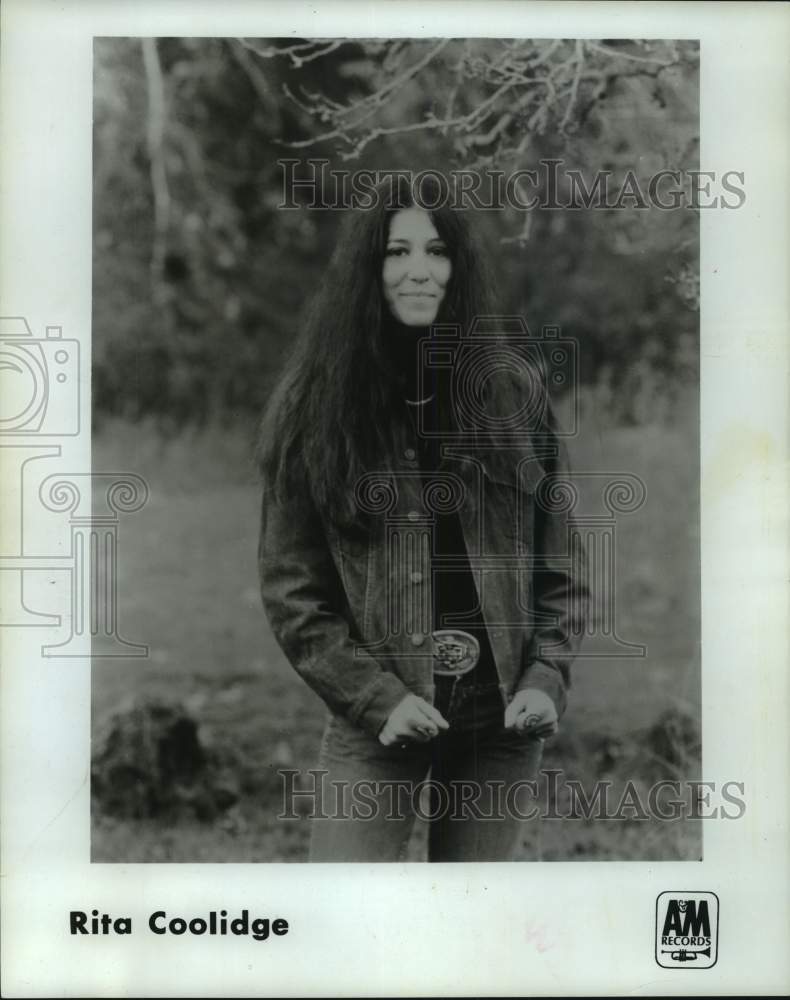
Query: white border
<point x="419" y="929"/>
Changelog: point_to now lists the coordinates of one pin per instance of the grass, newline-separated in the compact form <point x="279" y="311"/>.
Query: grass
<point x="188" y="588"/>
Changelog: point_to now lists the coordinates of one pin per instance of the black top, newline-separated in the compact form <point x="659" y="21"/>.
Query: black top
<point x="454" y="589"/>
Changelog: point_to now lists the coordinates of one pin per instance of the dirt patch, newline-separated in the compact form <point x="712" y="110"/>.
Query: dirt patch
<point x="151" y="761"/>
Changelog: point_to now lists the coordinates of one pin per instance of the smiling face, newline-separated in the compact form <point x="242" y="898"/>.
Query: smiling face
<point x="416" y="268"/>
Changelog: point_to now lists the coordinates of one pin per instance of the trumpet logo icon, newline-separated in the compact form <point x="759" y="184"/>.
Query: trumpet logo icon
<point x="687" y="930"/>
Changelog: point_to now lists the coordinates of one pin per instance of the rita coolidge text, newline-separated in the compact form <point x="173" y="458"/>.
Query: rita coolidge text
<point x="216" y="922"/>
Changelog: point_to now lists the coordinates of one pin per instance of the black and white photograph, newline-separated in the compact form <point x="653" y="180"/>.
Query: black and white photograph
<point x="402" y="336"/>
<point x="394" y="506"/>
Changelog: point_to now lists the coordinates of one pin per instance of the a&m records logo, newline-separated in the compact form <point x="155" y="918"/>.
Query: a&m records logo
<point x="687" y="930"/>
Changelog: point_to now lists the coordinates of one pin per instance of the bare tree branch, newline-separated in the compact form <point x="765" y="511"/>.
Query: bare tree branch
<point x="619" y="53"/>
<point x="521" y="87"/>
<point x="248" y="65"/>
<point x="294" y="51"/>
<point x="155" y="133"/>
<point x="575" y="85"/>
<point x="378" y="98"/>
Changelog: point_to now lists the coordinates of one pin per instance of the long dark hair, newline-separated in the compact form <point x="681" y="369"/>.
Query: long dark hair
<point x="334" y="413"/>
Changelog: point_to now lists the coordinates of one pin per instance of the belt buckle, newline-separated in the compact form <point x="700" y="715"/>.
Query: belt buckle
<point x="454" y="652"/>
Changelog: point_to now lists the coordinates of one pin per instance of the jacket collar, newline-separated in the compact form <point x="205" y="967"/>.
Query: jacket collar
<point x="518" y="463"/>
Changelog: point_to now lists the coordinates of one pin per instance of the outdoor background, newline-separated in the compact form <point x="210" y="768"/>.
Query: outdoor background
<point x="199" y="282"/>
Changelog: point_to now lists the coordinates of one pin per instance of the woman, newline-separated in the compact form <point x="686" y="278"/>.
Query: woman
<point x="410" y="570"/>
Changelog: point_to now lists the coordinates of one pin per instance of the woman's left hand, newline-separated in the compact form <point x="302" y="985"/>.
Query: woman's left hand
<point x="532" y="710"/>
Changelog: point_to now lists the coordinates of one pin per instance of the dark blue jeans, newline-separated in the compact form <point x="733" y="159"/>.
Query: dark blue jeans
<point x="471" y="783"/>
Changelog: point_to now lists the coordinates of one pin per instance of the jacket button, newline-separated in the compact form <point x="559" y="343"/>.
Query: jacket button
<point x="416" y="577"/>
<point x="410" y="453"/>
<point x="413" y="515"/>
<point x="417" y="639"/>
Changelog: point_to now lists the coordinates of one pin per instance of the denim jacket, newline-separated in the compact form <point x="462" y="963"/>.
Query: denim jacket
<point x="352" y="612"/>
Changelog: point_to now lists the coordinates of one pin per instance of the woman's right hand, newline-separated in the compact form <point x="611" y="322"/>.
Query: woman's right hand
<point x="413" y="718"/>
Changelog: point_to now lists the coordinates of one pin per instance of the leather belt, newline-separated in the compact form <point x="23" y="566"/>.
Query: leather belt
<point x="454" y="652"/>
